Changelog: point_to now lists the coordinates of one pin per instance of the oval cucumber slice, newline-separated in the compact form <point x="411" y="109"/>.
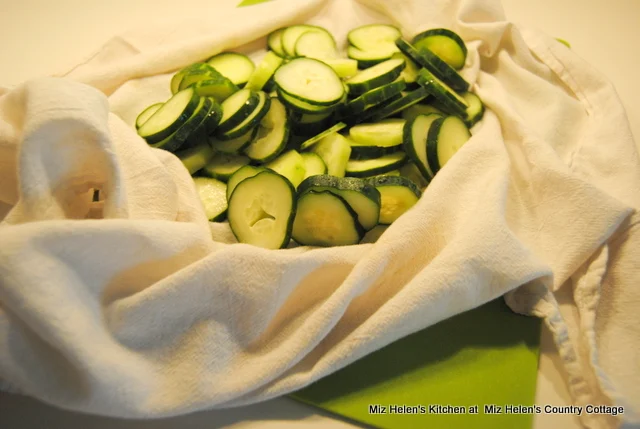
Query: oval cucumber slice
<point x="170" y="116"/>
<point x="446" y="136"/>
<point x="372" y="36"/>
<point x="397" y="195"/>
<point x="415" y="142"/>
<point x="385" y="133"/>
<point x="273" y="134"/>
<point x="251" y="121"/>
<point x="373" y="167"/>
<point x="445" y="43"/>
<point x="311" y="81"/>
<point x="316" y="44"/>
<point x="222" y="166"/>
<point x="375" y="76"/>
<point x="237" y="108"/>
<point x="146" y="114"/>
<point x="234" y="66"/>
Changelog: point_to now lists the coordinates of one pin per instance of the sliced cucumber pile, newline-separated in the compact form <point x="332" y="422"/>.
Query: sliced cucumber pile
<point x="311" y="146"/>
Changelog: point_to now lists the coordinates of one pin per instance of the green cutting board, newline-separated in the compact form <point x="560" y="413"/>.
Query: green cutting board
<point x="482" y="357"/>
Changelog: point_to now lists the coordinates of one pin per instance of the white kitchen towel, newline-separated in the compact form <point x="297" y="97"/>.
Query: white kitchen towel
<point x="137" y="307"/>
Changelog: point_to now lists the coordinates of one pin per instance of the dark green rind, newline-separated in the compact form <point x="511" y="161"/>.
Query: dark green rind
<point x="315" y="139"/>
<point x="432" y="145"/>
<point x="302" y="107"/>
<point x="234" y="145"/>
<point x="414" y="97"/>
<point x="354" y="216"/>
<point x="177" y="78"/>
<point x="435" y="65"/>
<point x="211" y="118"/>
<point x="247" y="124"/>
<point x="395" y="164"/>
<point x="440" y="93"/>
<point x="176" y="140"/>
<point x="212" y="169"/>
<point x="240" y="115"/>
<point x="188" y="111"/>
<point x="371" y="152"/>
<point x="371" y="98"/>
<point x="395" y="181"/>
<point x="359" y="88"/>
<point x="408" y="144"/>
<point x="220" y="88"/>
<point x="292" y="214"/>
<point x="200" y="73"/>
<point x="440" y="32"/>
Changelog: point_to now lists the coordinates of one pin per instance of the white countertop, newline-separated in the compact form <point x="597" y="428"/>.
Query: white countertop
<point x="39" y="37"/>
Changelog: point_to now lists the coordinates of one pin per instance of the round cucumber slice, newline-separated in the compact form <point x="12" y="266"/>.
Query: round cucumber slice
<point x="311" y="81"/>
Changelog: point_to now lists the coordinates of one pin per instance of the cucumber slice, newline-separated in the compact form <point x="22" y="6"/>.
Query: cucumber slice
<point x="410" y="72"/>
<point x="445" y="44"/>
<point x="316" y="44"/>
<point x="291" y="35"/>
<point x="291" y="165"/>
<point x="310" y="129"/>
<point x="397" y="195"/>
<point x="234" y="145"/>
<point x="168" y="118"/>
<point x="387" y="133"/>
<point x="311" y="81"/>
<point x="372" y="36"/>
<point x="415" y="142"/>
<point x="344" y="67"/>
<point x="222" y="166"/>
<point x="475" y="109"/>
<point x="372" y="167"/>
<point x="443" y="93"/>
<point x="411" y="172"/>
<point x="363" y="198"/>
<point x="262" y="209"/>
<point x="251" y="121"/>
<point x="335" y="151"/>
<point x="237" y="108"/>
<point x="220" y="88"/>
<point x="234" y="66"/>
<point x="371" y="152"/>
<point x="177" y="78"/>
<point x="420" y="109"/>
<point x="274" y="41"/>
<point x="241" y="174"/>
<point x="446" y="136"/>
<point x="395" y="107"/>
<point x="315" y="139"/>
<point x="213" y="194"/>
<point x="191" y="128"/>
<point x="213" y="117"/>
<point x="313" y="165"/>
<point x="146" y="114"/>
<point x="325" y="219"/>
<point x="273" y="134"/>
<point x="264" y="71"/>
<point x="372" y="98"/>
<point x="373" y="56"/>
<point x="376" y="76"/>
<point x="195" y="158"/>
<point x="435" y="65"/>
<point x="300" y="106"/>
<point x="197" y="74"/>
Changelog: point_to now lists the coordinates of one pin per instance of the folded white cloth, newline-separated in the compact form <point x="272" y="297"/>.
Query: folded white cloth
<point x="140" y="313"/>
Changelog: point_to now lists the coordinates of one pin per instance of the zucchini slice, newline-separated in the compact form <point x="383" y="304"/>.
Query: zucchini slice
<point x="291" y="165"/>
<point x="262" y="209"/>
<point x="442" y="93"/>
<point x="241" y="174"/>
<point x="311" y="81"/>
<point x="335" y="151"/>
<point x="397" y="106"/>
<point x="435" y="65"/>
<point x="397" y="195"/>
<point x="386" y="133"/>
<point x="274" y="42"/>
<point x="251" y="121"/>
<point x="265" y="70"/>
<point x="445" y="44"/>
<point x="222" y="166"/>
<point x="313" y="165"/>
<point x="195" y="158"/>
<point x="273" y="134"/>
<point x="316" y="44"/>
<point x="234" y="66"/>
<point x="372" y="36"/>
<point x="325" y="219"/>
<point x="237" y="108"/>
<point x="363" y="198"/>
<point x="146" y="114"/>
<point x="446" y="136"/>
<point x="315" y="139"/>
<point x="170" y="116"/>
<point x="373" y="77"/>
<point x="415" y="142"/>
<point x="213" y="194"/>
<point x="234" y="145"/>
<point x="373" y="167"/>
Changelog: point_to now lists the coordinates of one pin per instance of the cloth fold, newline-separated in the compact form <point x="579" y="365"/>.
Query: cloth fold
<point x="127" y="306"/>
